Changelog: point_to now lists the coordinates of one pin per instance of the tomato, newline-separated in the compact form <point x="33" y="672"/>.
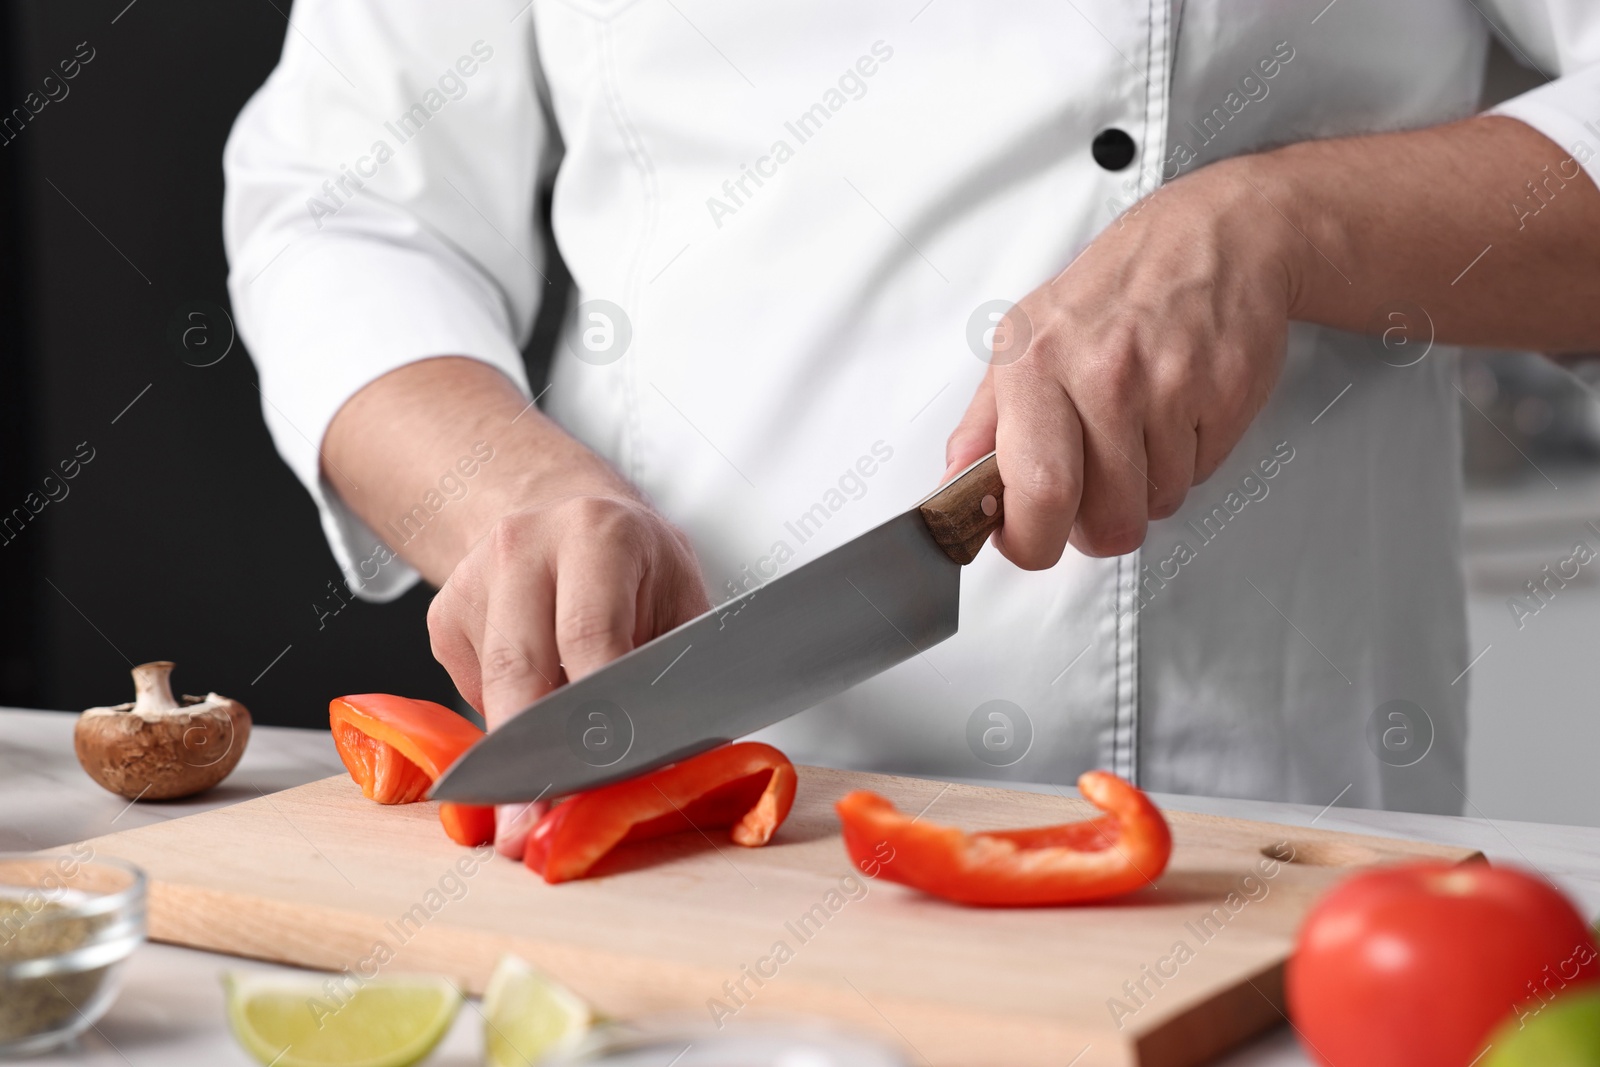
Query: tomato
<point x="1415" y="966"/>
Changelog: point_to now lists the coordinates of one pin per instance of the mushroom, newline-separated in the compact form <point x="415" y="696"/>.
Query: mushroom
<point x="158" y="748"/>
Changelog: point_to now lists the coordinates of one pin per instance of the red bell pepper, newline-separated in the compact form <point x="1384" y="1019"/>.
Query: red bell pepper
<point x="467" y="824"/>
<point x="395" y="747"/>
<point x="1073" y="863"/>
<point x="747" y="786"/>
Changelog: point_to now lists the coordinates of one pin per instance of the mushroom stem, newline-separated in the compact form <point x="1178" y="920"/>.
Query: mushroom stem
<point x="152" y="689"/>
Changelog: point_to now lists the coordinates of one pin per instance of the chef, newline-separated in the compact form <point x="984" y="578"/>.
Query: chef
<point x="1193" y="268"/>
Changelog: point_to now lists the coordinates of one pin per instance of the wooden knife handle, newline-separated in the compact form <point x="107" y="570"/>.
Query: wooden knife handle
<point x="963" y="514"/>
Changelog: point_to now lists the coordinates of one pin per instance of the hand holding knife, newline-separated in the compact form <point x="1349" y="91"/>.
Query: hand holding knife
<point x="829" y="624"/>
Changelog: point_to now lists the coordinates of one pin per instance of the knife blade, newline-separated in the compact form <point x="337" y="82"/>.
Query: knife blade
<point x="785" y="646"/>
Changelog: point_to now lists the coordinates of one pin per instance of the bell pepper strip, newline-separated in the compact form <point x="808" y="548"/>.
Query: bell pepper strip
<point x="748" y="787"/>
<point x="1074" y="863"/>
<point x="468" y="824"/>
<point x="394" y="748"/>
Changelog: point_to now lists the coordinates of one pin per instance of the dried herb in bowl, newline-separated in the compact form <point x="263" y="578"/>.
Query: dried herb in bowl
<point x="30" y="1006"/>
<point x="68" y="921"/>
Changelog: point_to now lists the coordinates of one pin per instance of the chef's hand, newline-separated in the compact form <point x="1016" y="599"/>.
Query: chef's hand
<point x="553" y="592"/>
<point x="1150" y="355"/>
<point x="549" y="563"/>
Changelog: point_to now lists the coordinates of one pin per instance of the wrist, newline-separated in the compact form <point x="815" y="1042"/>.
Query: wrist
<point x="1296" y="236"/>
<point x="433" y="454"/>
<point x="540" y="467"/>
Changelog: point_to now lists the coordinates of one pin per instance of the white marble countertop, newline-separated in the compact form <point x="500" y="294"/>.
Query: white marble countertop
<point x="170" y="1012"/>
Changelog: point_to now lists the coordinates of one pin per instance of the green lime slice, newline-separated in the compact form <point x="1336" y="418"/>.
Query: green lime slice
<point x="293" y="1021"/>
<point x="529" y="1016"/>
<point x="1564" y="1033"/>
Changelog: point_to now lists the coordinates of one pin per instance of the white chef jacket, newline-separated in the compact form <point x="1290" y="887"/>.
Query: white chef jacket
<point x="798" y="208"/>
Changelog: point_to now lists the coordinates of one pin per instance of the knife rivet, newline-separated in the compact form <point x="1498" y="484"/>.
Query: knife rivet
<point x="990" y="504"/>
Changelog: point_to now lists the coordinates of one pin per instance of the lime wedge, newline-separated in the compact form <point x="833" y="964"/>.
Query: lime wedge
<point x="529" y="1016"/>
<point x="1563" y="1033"/>
<point x="290" y="1021"/>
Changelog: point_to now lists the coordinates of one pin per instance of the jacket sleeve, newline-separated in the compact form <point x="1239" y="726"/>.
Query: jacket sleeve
<point x="1560" y="39"/>
<point x="381" y="189"/>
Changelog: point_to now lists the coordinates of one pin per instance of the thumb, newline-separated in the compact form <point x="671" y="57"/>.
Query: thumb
<point x="973" y="437"/>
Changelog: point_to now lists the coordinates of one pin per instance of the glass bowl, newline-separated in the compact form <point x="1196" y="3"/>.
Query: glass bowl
<point x="67" y="922"/>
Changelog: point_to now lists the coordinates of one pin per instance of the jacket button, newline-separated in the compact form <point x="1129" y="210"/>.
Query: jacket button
<point x="1113" y="149"/>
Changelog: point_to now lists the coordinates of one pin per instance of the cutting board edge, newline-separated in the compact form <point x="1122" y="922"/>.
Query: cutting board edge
<point x="1202" y="1030"/>
<point x="175" y="920"/>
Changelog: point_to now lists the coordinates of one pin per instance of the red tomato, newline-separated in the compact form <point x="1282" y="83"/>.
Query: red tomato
<point x="1415" y="966"/>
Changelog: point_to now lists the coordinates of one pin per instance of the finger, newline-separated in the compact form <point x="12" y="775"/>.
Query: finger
<point x="672" y="593"/>
<point x="597" y="601"/>
<point x="1217" y="436"/>
<point x="517" y="653"/>
<point x="1039" y="446"/>
<point x="518" y="664"/>
<point x="1113" y="514"/>
<point x="457" y="630"/>
<point x="973" y="437"/>
<point x="1212" y="446"/>
<point x="453" y="636"/>
<point x="1169" y="455"/>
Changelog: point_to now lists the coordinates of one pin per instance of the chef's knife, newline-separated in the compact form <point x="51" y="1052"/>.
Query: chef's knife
<point x="776" y="650"/>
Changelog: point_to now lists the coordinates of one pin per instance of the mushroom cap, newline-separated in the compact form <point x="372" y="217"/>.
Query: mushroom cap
<point x="147" y="752"/>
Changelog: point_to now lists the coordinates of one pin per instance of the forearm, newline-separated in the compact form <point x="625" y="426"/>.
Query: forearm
<point x="399" y="444"/>
<point x="1443" y="218"/>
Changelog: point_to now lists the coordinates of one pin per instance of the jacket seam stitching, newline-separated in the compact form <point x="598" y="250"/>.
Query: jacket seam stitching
<point x="637" y="153"/>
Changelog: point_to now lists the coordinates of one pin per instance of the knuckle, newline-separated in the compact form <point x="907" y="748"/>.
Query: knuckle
<point x="684" y="554"/>
<point x="446" y="636"/>
<point x="509" y="540"/>
<point x="1172" y="379"/>
<point x="1110" y="352"/>
<point x="1207" y="461"/>
<point x="590" y="511"/>
<point x="585" y="631"/>
<point x="505" y="665"/>
<point x="440" y="644"/>
<point x="1042" y="487"/>
<point x="1165" y="504"/>
<point x="606" y="521"/>
<point x="1121" y="381"/>
<point x="438" y="616"/>
<point x="960" y="435"/>
<point x="1032" y="557"/>
<point x="1105" y="538"/>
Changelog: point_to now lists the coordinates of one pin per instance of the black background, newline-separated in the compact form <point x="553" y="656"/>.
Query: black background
<point x="185" y="538"/>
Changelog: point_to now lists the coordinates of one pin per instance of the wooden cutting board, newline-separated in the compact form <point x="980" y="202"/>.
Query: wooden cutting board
<point x="1167" y="977"/>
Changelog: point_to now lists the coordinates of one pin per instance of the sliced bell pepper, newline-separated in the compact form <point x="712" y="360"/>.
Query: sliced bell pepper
<point x="1073" y="863"/>
<point x="467" y="824"/>
<point x="394" y="748"/>
<point x="747" y="786"/>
